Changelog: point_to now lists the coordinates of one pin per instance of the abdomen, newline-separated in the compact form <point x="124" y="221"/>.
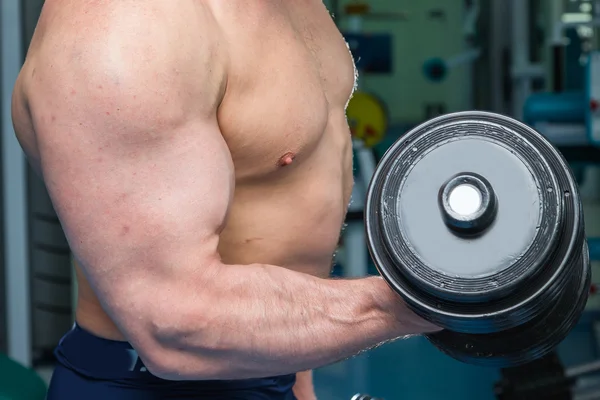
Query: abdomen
<point x="296" y="228"/>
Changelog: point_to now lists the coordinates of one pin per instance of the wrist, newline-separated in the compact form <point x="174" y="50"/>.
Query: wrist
<point x="399" y="315"/>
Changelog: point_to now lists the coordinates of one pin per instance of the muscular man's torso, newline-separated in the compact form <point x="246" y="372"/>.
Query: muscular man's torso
<point x="281" y="112"/>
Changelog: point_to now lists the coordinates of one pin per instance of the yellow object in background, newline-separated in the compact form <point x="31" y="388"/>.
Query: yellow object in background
<point x="367" y="118"/>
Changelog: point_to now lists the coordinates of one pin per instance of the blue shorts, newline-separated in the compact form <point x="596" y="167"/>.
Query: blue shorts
<point x="93" y="368"/>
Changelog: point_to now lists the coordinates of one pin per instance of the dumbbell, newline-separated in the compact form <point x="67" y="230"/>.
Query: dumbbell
<point x="475" y="220"/>
<point x="363" y="397"/>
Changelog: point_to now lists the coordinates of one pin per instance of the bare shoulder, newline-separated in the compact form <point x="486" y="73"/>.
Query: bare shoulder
<point x="122" y="98"/>
<point x="127" y="51"/>
<point x="115" y="89"/>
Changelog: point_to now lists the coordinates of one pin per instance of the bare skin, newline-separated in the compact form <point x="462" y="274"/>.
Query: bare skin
<point x="200" y="162"/>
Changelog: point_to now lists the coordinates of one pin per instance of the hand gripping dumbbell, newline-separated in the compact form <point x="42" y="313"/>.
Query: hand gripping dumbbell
<point x="475" y="220"/>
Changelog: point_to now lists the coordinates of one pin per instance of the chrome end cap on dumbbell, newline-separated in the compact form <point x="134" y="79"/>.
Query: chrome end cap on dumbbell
<point x="468" y="203"/>
<point x="475" y="220"/>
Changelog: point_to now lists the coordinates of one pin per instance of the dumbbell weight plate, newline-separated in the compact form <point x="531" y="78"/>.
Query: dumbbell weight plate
<point x="527" y="342"/>
<point x="475" y="220"/>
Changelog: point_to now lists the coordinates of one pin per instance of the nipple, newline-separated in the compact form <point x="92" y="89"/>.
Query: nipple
<point x="286" y="159"/>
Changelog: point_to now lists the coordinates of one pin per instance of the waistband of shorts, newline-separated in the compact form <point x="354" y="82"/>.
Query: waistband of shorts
<point x="100" y="358"/>
<point x="104" y="359"/>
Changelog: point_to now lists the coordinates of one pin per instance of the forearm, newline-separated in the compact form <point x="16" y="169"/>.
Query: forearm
<point x="256" y="321"/>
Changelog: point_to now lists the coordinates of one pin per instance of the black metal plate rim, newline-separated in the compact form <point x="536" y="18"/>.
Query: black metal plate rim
<point x="411" y="300"/>
<point x="416" y="304"/>
<point x="524" y="355"/>
<point x="539" y="257"/>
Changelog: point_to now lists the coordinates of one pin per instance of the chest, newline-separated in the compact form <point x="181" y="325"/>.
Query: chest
<point x="291" y="73"/>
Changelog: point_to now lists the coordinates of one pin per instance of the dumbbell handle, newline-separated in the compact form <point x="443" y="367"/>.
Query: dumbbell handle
<point x="363" y="397"/>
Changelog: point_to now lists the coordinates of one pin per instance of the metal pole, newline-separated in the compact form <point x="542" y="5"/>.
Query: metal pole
<point x="520" y="54"/>
<point x="471" y="55"/>
<point x="583" y="369"/>
<point x="499" y="18"/>
<point x="556" y="47"/>
<point x="15" y="192"/>
<point x="555" y="14"/>
<point x="355" y="243"/>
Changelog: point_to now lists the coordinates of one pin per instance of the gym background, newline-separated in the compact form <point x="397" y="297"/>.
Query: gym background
<point x="534" y="60"/>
